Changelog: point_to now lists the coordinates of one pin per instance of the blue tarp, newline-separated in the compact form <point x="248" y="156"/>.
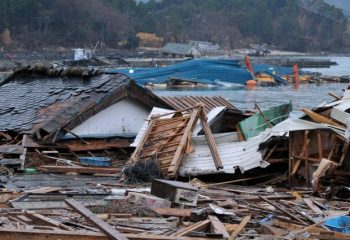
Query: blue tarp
<point x="206" y="71"/>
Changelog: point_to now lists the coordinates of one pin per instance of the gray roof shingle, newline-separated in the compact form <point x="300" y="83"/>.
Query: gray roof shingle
<point x="27" y="101"/>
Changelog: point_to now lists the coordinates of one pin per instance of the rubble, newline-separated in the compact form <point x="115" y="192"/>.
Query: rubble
<point x="259" y="176"/>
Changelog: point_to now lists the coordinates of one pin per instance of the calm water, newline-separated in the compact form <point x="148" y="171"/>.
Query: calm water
<point x="308" y="95"/>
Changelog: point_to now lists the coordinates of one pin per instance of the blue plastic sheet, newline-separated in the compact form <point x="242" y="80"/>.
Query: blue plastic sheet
<point x="205" y="71"/>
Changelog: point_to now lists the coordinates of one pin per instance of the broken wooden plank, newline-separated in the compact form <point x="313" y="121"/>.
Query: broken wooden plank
<point x="135" y="156"/>
<point x="312" y="206"/>
<point x="177" y="212"/>
<point x="100" y="144"/>
<point x="102" y="225"/>
<point x="319" y="144"/>
<point x="321" y="119"/>
<point x="44" y="190"/>
<point x="48" y="221"/>
<point x="334" y="95"/>
<point x="194" y="227"/>
<point x="211" y="142"/>
<point x="85" y="170"/>
<point x="240" y="227"/>
<point x="76" y="135"/>
<point x="283" y="210"/>
<point x="6" y="136"/>
<point x="218" y="227"/>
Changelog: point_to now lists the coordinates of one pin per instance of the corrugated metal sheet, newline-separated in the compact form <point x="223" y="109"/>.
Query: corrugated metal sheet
<point x="339" y="112"/>
<point x="183" y="102"/>
<point x="242" y="155"/>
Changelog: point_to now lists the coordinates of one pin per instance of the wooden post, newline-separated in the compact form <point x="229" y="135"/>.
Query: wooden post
<point x="211" y="142"/>
<point x="290" y="159"/>
<point x="306" y="155"/>
<point x="320" y="149"/>
<point x="176" y="161"/>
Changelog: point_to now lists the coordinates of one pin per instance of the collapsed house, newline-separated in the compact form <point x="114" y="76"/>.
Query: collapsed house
<point x="69" y="112"/>
<point x="191" y="141"/>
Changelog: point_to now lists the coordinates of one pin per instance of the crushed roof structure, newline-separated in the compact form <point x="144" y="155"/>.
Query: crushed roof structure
<point x="46" y="101"/>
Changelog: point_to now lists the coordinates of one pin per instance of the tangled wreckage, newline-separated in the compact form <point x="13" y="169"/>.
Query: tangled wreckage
<point x="121" y="147"/>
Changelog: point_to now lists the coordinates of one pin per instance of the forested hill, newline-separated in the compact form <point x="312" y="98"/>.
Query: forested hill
<point x="342" y="4"/>
<point x="302" y="25"/>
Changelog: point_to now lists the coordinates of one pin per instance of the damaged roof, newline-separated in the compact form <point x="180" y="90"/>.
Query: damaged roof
<point x="210" y="102"/>
<point x="42" y="102"/>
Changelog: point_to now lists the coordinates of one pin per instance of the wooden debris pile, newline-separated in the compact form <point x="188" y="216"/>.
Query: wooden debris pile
<point x="172" y="210"/>
<point x="165" y="143"/>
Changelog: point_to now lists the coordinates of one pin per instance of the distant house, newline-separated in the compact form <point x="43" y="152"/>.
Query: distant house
<point x="207" y="48"/>
<point x="180" y="50"/>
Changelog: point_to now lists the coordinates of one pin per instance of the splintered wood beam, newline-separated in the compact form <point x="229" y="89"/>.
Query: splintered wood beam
<point x="49" y="221"/>
<point x="211" y="142"/>
<point x="77" y="136"/>
<point x="313" y="207"/>
<point x="111" y="232"/>
<point x="306" y="155"/>
<point x="320" y="119"/>
<point x="334" y="95"/>
<point x="97" y="145"/>
<point x="177" y="212"/>
<point x="85" y="170"/>
<point x="194" y="227"/>
<point x="139" y="148"/>
<point x="283" y="210"/>
<point x="6" y="136"/>
<point x="218" y="227"/>
<point x="239" y="228"/>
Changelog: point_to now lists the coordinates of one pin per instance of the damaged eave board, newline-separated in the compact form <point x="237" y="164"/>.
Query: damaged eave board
<point x="234" y="155"/>
<point x="257" y="123"/>
<point x="167" y="140"/>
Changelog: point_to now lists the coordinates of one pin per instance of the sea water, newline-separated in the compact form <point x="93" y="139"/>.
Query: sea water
<point x="306" y="96"/>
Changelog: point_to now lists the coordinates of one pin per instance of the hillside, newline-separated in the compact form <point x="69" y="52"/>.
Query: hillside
<point x="301" y="25"/>
<point x="342" y="4"/>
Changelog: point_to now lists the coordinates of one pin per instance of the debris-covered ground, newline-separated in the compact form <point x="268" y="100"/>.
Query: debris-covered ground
<point x="89" y="155"/>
